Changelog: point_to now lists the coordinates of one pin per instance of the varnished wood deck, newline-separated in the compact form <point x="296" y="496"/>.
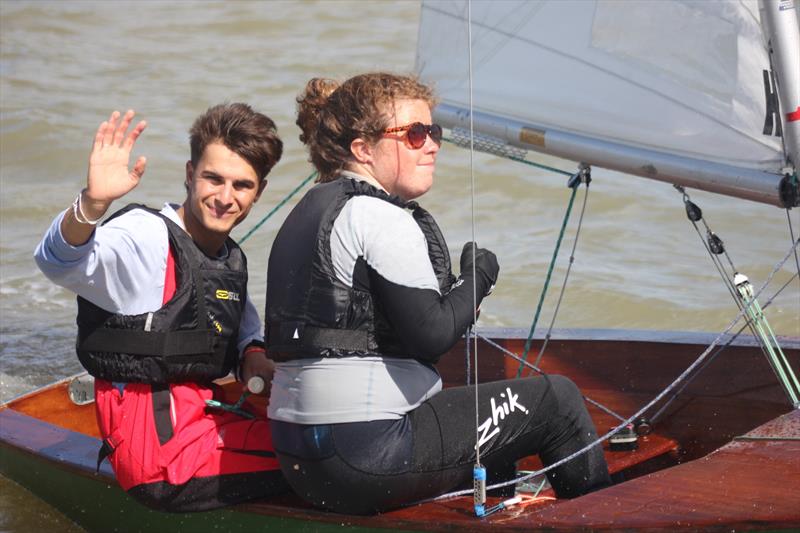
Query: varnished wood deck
<point x="744" y="485"/>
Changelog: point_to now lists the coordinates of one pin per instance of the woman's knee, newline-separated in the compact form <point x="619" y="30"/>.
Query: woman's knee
<point x="565" y="389"/>
<point x="570" y="415"/>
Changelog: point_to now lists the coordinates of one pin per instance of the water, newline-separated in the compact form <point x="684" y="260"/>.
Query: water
<point x="65" y="66"/>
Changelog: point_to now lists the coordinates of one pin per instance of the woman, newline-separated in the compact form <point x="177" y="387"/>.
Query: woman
<point x="361" y="303"/>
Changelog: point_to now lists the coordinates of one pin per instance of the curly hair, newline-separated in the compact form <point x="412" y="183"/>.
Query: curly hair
<point x="247" y="133"/>
<point x="332" y="115"/>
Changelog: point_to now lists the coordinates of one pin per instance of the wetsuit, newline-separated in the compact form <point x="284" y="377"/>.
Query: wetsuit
<point x="166" y="449"/>
<point x="360" y="306"/>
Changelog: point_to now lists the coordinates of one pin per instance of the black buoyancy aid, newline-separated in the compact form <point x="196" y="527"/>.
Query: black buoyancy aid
<point x="309" y="312"/>
<point x="192" y="337"/>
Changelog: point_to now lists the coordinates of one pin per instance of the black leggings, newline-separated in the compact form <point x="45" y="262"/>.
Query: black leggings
<point x="368" y="467"/>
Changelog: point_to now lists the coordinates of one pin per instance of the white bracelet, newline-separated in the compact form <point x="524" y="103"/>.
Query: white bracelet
<point x="78" y="213"/>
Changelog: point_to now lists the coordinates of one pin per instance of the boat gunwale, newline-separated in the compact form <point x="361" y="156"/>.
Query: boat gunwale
<point x="698" y="338"/>
<point x="412" y="517"/>
<point x="702" y="338"/>
<point x="409" y="518"/>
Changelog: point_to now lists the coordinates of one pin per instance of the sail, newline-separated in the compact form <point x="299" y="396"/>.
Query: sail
<point x="682" y="89"/>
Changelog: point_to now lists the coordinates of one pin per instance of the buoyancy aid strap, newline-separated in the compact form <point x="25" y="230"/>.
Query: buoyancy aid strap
<point x="108" y="446"/>
<point x="162" y="405"/>
<point x="294" y="335"/>
<point x="152" y="343"/>
<point x="105" y="450"/>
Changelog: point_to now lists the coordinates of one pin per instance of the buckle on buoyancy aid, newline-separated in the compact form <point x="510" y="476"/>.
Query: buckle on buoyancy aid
<point x="105" y="450"/>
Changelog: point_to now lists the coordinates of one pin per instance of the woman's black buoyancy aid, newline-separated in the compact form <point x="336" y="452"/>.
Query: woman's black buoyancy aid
<point x="309" y="312"/>
<point x="193" y="337"/>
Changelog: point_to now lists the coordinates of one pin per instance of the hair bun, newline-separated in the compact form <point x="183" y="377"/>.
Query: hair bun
<point x="310" y="103"/>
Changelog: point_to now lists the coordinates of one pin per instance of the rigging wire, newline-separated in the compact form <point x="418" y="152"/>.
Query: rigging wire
<point x="739" y="288"/>
<point x="714" y="246"/>
<point x="547" y="278"/>
<point x="530" y="365"/>
<point x="479" y="472"/>
<point x="278" y="206"/>
<point x="688" y="380"/>
<point x="647" y="406"/>
<point x="463" y="142"/>
<point x="657" y="415"/>
<point x="566" y="275"/>
<point x="777" y="359"/>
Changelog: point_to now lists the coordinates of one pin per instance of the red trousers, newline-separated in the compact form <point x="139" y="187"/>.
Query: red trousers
<point x="172" y="453"/>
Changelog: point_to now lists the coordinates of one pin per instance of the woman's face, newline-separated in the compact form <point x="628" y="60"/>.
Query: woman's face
<point x="399" y="168"/>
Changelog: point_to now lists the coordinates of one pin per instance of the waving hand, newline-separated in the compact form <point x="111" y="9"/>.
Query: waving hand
<point x="109" y="177"/>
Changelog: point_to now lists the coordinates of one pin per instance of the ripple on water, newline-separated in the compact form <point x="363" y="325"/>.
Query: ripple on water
<point x="35" y="356"/>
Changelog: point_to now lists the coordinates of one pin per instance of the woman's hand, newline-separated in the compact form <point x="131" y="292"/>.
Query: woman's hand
<point x="485" y="265"/>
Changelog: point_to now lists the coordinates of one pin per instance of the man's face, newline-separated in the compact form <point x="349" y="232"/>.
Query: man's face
<point x="222" y="189"/>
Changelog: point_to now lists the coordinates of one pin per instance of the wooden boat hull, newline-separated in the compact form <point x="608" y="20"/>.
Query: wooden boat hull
<point x="719" y="474"/>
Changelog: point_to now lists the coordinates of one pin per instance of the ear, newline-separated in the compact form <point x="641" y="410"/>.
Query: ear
<point x="261" y="187"/>
<point x="362" y="151"/>
<point x="189" y="172"/>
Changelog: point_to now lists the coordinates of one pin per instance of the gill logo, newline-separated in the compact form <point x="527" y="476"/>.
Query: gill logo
<point x="222" y="294"/>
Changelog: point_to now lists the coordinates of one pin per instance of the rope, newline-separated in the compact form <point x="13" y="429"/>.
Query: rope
<point x="547" y="278"/>
<point x="520" y="160"/>
<point x="542" y="372"/>
<point x="539" y="165"/>
<point x="739" y="289"/>
<point x="566" y="278"/>
<point x="780" y="364"/>
<point x="713" y="356"/>
<point x="642" y="410"/>
<point x="278" y="206"/>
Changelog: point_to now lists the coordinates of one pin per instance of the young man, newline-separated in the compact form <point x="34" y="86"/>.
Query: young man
<point x="163" y="310"/>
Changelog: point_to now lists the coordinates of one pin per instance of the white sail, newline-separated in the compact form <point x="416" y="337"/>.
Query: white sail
<point x="674" y="90"/>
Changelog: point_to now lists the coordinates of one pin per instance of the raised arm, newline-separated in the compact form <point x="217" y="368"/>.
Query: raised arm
<point x="108" y="177"/>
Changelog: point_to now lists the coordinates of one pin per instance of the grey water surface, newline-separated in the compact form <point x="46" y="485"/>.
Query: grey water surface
<point x="64" y="66"/>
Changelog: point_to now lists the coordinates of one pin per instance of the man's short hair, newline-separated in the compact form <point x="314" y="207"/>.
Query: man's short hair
<point x="249" y="134"/>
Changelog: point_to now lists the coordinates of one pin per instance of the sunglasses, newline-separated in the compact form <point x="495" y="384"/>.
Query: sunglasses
<point x="417" y="133"/>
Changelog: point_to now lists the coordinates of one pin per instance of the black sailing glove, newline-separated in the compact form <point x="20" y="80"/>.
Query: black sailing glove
<point x="486" y="269"/>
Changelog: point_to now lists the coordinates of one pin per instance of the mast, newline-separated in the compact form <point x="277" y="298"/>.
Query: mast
<point x="779" y="18"/>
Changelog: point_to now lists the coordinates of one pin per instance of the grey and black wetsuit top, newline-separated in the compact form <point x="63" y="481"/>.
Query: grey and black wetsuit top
<point x="359" y="306"/>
